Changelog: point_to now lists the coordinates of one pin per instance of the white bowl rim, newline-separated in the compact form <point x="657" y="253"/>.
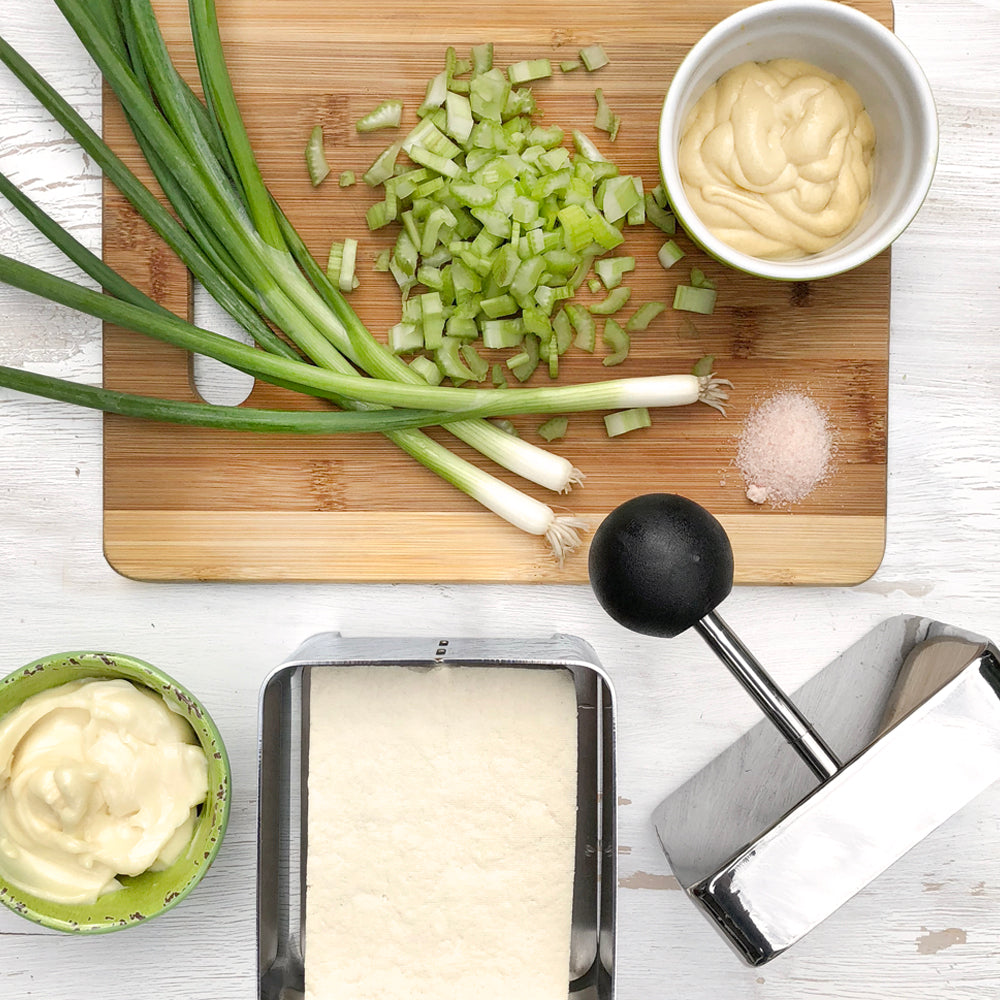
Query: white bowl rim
<point x="803" y="268"/>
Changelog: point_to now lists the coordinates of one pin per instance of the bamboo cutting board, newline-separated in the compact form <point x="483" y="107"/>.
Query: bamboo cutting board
<point x="192" y="504"/>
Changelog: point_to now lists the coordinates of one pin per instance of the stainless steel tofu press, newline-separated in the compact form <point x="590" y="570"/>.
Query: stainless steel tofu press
<point x="786" y="825"/>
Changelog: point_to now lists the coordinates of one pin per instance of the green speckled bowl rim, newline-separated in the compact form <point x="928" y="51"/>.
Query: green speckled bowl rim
<point x="152" y="893"/>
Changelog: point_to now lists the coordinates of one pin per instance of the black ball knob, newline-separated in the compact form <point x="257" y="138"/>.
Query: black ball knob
<point x="659" y="563"/>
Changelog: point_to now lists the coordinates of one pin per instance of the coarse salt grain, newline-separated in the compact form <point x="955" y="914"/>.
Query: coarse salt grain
<point x="784" y="449"/>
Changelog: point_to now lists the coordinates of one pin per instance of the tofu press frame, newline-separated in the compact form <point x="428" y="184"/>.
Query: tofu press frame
<point x="832" y="787"/>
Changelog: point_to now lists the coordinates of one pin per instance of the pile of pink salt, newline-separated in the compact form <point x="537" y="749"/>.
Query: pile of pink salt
<point x="785" y="449"/>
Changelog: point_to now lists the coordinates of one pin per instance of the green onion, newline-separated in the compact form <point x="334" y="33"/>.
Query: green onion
<point x="233" y="418"/>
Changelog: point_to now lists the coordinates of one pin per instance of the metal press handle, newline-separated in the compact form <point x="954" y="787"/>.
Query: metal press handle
<point x="792" y="724"/>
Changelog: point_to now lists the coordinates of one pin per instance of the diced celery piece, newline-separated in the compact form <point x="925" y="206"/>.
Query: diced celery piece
<point x="644" y="315"/>
<point x="405" y="338"/>
<point x="488" y="94"/>
<point x="616" y="196"/>
<point x="426" y="135"/>
<point x="347" y="280"/>
<point x="498" y="378"/>
<point x="624" y="421"/>
<point x="461" y="327"/>
<point x="435" y="162"/>
<point x="696" y="300"/>
<point x="475" y="362"/>
<point x="593" y="56"/>
<point x="577" y="234"/>
<point x="432" y="319"/>
<point x="382" y="260"/>
<point x="636" y="215"/>
<point x="604" y="234"/>
<point x="523" y="364"/>
<point x="472" y="194"/>
<point x="316" y="163"/>
<point x="378" y="215"/>
<point x="568" y="65"/>
<point x="482" y="57"/>
<point x="528" y="69"/>
<point x="586" y="148"/>
<point x="503" y="333"/>
<point x="616" y="338"/>
<point x="548" y="137"/>
<point x="381" y="170"/>
<point x="434" y="96"/>
<point x="611" y="269"/>
<point x="659" y="194"/>
<point x="387" y="115"/>
<point x="426" y="369"/>
<point x="554" y="428"/>
<point x="499" y="305"/>
<point x="615" y="300"/>
<point x="459" y="120"/>
<point x="449" y="359"/>
<point x="346" y="178"/>
<point x="585" y="326"/>
<point x="605" y="119"/>
<point x="699" y="279"/>
<point x="659" y="216"/>
<point x="669" y="254"/>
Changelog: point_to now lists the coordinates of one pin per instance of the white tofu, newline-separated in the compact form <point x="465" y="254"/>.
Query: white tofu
<point x="441" y="830"/>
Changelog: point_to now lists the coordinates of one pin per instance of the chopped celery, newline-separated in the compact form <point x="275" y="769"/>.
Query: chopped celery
<point x="704" y="366"/>
<point x="644" y="315"/>
<point x="615" y="337"/>
<point x="387" y="115"/>
<point x="697" y="300"/>
<point x="382" y="260"/>
<point x="611" y="269"/>
<point x="432" y="319"/>
<point x="528" y="69"/>
<point x="385" y="163"/>
<point x="482" y="57"/>
<point x="459" y="120"/>
<point x="699" y="279"/>
<point x="554" y="428"/>
<point x="405" y="338"/>
<point x="669" y="254"/>
<point x="659" y="216"/>
<point x="347" y="178"/>
<point x="426" y="369"/>
<point x="605" y="119"/>
<point x="586" y="148"/>
<point x="316" y="162"/>
<point x="347" y="279"/>
<point x="586" y="328"/>
<point x="593" y="56"/>
<point x="568" y="65"/>
<point x="623" y="421"/>
<point x="614" y="301"/>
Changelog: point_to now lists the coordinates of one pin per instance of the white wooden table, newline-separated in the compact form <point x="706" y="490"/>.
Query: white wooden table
<point x="927" y="930"/>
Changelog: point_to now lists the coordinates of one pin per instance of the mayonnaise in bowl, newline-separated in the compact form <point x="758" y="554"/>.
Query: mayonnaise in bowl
<point x="99" y="778"/>
<point x="776" y="158"/>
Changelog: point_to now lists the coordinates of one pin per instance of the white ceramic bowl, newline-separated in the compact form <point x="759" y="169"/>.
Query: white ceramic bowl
<point x="889" y="81"/>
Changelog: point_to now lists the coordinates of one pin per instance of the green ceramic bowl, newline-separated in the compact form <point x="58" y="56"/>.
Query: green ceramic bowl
<point x="142" y="896"/>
